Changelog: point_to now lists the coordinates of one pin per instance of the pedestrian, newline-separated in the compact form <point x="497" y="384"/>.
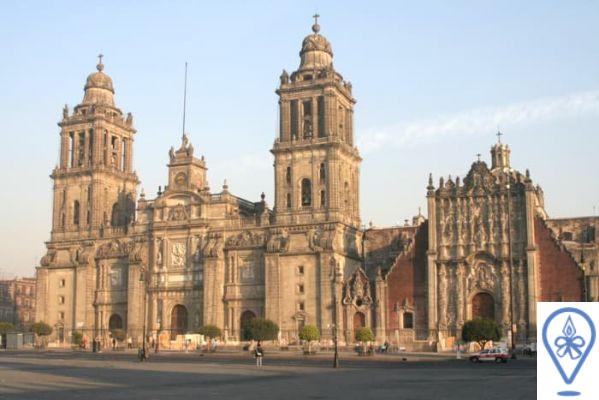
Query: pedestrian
<point x="259" y="353"/>
<point x="129" y="343"/>
<point x="113" y="344"/>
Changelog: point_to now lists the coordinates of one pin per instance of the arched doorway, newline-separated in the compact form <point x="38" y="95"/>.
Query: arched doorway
<point x="483" y="306"/>
<point x="245" y="318"/>
<point x="115" y="322"/>
<point x="178" y="321"/>
<point x="359" y="320"/>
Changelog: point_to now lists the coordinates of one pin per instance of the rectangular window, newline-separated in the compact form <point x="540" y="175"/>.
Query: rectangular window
<point x="81" y="149"/>
<point x="321" y="127"/>
<point x="294" y="120"/>
<point x="62" y="283"/>
<point x="300" y="288"/>
<point x="300" y="270"/>
<point x="90" y="151"/>
<point x="301" y="306"/>
<point x="61" y="315"/>
<point x="71" y="150"/>
<point x="60" y="299"/>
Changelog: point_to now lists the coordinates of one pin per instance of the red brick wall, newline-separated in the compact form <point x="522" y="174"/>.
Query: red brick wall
<point x="407" y="280"/>
<point x="559" y="276"/>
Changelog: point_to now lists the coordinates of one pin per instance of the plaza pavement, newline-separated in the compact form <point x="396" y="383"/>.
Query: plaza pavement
<point x="233" y="375"/>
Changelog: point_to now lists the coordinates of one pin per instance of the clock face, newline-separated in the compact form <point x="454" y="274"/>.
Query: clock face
<point x="181" y="179"/>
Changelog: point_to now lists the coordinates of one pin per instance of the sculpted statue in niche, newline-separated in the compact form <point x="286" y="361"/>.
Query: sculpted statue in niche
<point x="442" y="296"/>
<point x="159" y="258"/>
<point x="247" y="271"/>
<point x="178" y="255"/>
<point x="482" y="276"/>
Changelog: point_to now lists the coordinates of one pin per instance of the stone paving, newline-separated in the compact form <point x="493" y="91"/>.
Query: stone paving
<point x="71" y="375"/>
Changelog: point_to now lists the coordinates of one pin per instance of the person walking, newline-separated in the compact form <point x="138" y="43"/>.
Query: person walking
<point x="259" y="353"/>
<point x="129" y="343"/>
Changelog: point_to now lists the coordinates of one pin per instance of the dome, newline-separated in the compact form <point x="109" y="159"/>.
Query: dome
<point x="98" y="87"/>
<point x="316" y="52"/>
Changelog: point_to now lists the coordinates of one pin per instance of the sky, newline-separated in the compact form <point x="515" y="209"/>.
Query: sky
<point x="434" y="81"/>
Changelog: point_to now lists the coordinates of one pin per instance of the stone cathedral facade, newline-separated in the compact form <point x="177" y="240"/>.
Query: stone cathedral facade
<point x="192" y="256"/>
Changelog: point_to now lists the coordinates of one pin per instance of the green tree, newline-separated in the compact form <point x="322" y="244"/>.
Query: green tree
<point x="260" y="329"/>
<point x="210" y="331"/>
<point x="481" y="331"/>
<point x="309" y="333"/>
<point x="6" y="327"/>
<point x="364" y="335"/>
<point x="42" y="330"/>
<point x="76" y="338"/>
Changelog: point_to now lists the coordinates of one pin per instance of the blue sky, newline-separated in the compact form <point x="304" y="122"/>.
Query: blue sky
<point x="433" y="79"/>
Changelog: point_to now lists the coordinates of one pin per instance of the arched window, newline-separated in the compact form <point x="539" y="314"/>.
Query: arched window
<point x="323" y="198"/>
<point x="306" y="193"/>
<point x="76" y="213"/>
<point x="408" y="320"/>
<point x="288" y="200"/>
<point x="322" y="173"/>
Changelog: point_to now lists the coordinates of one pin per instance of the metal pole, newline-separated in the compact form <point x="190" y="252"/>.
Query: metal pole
<point x="511" y="264"/>
<point x="585" y="294"/>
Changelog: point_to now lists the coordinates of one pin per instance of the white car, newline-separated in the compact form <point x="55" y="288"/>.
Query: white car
<point x="497" y="354"/>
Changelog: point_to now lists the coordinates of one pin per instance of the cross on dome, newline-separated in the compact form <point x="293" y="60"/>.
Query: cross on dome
<point x="316" y="27"/>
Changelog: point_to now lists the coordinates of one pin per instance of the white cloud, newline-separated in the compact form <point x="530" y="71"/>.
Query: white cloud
<point x="482" y="121"/>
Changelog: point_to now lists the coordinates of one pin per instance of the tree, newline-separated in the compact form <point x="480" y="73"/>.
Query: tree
<point x="76" y="338"/>
<point x="119" y="334"/>
<point x="481" y="331"/>
<point x="309" y="333"/>
<point x="260" y="329"/>
<point x="42" y="330"/>
<point x="210" y="331"/>
<point x="364" y="335"/>
<point x="6" y="327"/>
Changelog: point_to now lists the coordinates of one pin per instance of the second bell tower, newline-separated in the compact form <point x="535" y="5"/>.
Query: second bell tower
<point x="317" y="167"/>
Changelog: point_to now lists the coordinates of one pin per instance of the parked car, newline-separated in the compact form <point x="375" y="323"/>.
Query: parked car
<point x="497" y="354"/>
<point x="530" y="349"/>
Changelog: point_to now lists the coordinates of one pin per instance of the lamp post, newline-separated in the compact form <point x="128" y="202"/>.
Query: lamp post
<point x="142" y="353"/>
<point x="585" y="293"/>
<point x="511" y="265"/>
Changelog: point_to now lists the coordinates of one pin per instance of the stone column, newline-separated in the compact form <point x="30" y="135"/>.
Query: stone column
<point x="531" y="258"/>
<point x="64" y="149"/>
<point x="86" y="155"/>
<point x="315" y="117"/>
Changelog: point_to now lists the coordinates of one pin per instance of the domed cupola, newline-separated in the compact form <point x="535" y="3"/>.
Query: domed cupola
<point x="98" y="87"/>
<point x="316" y="53"/>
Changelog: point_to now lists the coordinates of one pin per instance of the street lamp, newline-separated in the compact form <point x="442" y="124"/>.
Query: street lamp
<point x="142" y="353"/>
<point x="511" y="264"/>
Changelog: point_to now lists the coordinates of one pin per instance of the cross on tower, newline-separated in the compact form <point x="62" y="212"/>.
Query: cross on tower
<point x="499" y="135"/>
<point x="478" y="156"/>
<point x="316" y="16"/>
<point x="100" y="58"/>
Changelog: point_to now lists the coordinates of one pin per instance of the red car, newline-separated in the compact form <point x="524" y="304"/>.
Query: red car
<point x="498" y="355"/>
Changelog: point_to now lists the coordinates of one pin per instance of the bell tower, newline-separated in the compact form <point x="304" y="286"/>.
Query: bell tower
<point x="94" y="183"/>
<point x="317" y="167"/>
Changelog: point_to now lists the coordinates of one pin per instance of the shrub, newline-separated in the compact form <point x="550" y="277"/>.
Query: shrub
<point x="481" y="331"/>
<point x="309" y="333"/>
<point x="260" y="329"/>
<point x="364" y="335"/>
<point x="76" y="338"/>
<point x="210" y="331"/>
<point x="6" y="327"/>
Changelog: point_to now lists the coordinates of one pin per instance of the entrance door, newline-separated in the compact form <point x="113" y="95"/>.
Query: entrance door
<point x="483" y="306"/>
<point x="359" y="320"/>
<point x="178" y="321"/>
<point x="245" y="318"/>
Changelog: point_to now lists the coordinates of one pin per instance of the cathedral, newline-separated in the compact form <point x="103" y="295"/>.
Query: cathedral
<point x="192" y="256"/>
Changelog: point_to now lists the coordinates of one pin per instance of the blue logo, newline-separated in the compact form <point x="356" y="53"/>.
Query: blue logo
<point x="568" y="336"/>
